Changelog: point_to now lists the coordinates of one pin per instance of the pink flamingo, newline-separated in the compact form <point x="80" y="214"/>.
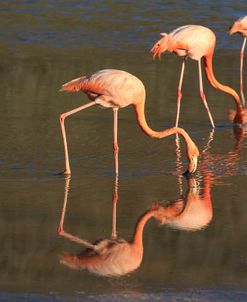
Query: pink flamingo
<point x="196" y="41"/>
<point x="117" y="89"/>
<point x="240" y="26"/>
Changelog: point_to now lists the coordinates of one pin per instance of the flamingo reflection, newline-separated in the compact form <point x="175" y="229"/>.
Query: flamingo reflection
<point x="192" y="211"/>
<point x="110" y="257"/>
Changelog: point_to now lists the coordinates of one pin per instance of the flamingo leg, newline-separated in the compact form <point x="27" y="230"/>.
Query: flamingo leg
<point x="241" y="71"/>
<point x="61" y="231"/>
<point x="62" y="119"/>
<point x="180" y="91"/>
<point x="115" y="140"/>
<point x="202" y="94"/>
<point x="114" y="209"/>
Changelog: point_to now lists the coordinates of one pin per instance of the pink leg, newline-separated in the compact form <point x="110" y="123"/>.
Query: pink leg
<point x="203" y="97"/>
<point x="180" y="92"/>
<point x="114" y="209"/>
<point x="62" y="118"/>
<point x="61" y="231"/>
<point x="241" y="72"/>
<point x="115" y="141"/>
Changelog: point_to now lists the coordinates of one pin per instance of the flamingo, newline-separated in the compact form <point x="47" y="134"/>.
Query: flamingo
<point x="196" y="42"/>
<point x="117" y="89"/>
<point x="109" y="257"/>
<point x="240" y="26"/>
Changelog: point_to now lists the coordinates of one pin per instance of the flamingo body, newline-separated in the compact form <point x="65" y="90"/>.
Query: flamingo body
<point x="192" y="41"/>
<point x="109" y="88"/>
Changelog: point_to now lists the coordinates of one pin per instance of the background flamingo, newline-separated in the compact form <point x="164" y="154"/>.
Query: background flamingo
<point x="240" y="26"/>
<point x="196" y="41"/>
<point x="117" y="89"/>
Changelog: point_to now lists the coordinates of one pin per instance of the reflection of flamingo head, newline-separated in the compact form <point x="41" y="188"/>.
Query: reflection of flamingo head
<point x="165" y="213"/>
<point x="160" y="46"/>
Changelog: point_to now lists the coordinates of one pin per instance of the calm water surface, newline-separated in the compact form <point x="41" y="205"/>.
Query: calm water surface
<point x="43" y="45"/>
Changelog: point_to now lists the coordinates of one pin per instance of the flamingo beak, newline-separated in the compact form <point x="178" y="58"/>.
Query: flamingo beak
<point x="155" y="51"/>
<point x="235" y="28"/>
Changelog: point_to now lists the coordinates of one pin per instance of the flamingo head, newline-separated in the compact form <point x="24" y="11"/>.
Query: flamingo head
<point x="238" y="27"/>
<point x="192" y="154"/>
<point x="160" y="46"/>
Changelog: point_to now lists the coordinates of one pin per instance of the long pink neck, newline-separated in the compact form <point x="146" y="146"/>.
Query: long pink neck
<point x="208" y="60"/>
<point x="140" y="114"/>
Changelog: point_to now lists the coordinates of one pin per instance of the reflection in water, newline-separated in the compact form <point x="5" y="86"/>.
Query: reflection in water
<point x="218" y="165"/>
<point x="108" y="257"/>
<point x="190" y="212"/>
<point x="193" y="210"/>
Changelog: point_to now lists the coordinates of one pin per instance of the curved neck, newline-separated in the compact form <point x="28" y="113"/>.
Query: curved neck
<point x="140" y="114"/>
<point x="137" y="237"/>
<point x="208" y="60"/>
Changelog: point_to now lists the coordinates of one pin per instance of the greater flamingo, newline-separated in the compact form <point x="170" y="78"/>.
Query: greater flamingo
<point x="196" y="41"/>
<point x="240" y="26"/>
<point x="117" y="89"/>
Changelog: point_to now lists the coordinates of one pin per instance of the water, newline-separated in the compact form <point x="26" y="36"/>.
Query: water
<point x="47" y="43"/>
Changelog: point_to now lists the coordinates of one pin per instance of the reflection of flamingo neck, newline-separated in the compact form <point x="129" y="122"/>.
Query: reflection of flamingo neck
<point x="208" y="60"/>
<point x="207" y="188"/>
<point x="138" y="234"/>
